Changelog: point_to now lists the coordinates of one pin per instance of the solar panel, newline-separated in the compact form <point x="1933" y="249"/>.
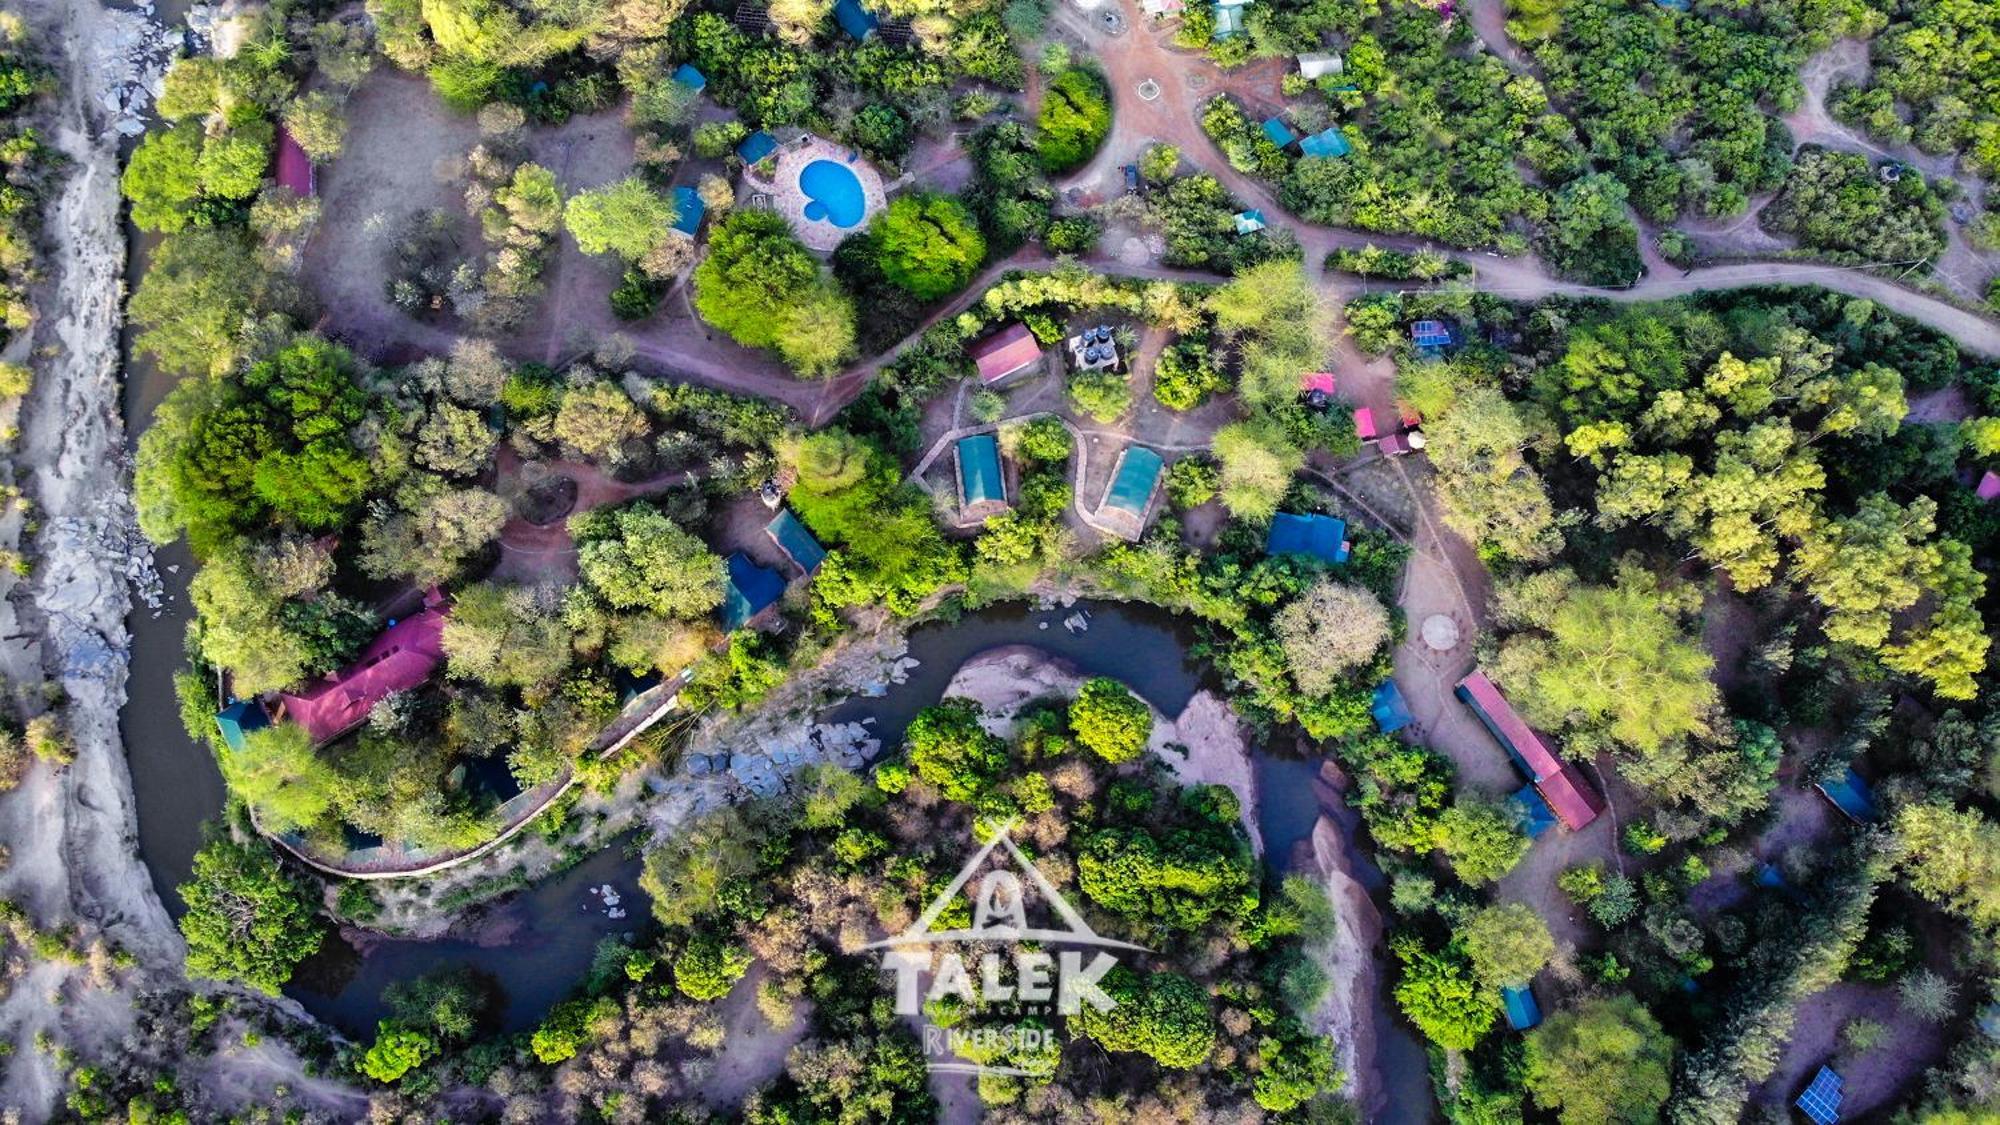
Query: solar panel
<point x="1821" y="1100"/>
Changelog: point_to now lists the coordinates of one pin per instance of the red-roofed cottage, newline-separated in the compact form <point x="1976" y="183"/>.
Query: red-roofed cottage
<point x="1989" y="486"/>
<point x="294" y="168"/>
<point x="403" y="657"/>
<point x="1007" y="351"/>
<point x="1559" y="782"/>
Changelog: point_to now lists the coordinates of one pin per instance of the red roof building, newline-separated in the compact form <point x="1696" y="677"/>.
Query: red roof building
<point x="1989" y="486"/>
<point x="1005" y="352"/>
<point x="1321" y="381"/>
<point x="403" y="657"/>
<point x="1364" y="423"/>
<point x="294" y="168"/>
<point x="1561" y="785"/>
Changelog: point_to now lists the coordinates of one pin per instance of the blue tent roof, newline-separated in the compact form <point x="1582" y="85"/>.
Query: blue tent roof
<point x="1391" y="710"/>
<point x="1430" y="334"/>
<point x="1327" y="142"/>
<point x="1821" y="1100"/>
<point x="239" y="719"/>
<point x="1322" y="537"/>
<point x="792" y="538"/>
<point x="1278" y="132"/>
<point x="1249" y="222"/>
<point x="688" y="210"/>
<point x="854" y="19"/>
<point x="1536" y="815"/>
<point x="751" y="591"/>
<point x="1522" y="1011"/>
<point x="757" y="146"/>
<point x="979" y="476"/>
<point x="1138" y="473"/>
<point x="1228" y="18"/>
<point x="1851" y="795"/>
<point x="693" y="79"/>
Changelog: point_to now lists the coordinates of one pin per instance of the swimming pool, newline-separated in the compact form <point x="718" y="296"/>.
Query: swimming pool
<point x="833" y="193"/>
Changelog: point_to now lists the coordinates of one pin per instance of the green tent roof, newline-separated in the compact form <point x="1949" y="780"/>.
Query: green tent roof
<point x="1138" y="472"/>
<point x="979" y="477"/>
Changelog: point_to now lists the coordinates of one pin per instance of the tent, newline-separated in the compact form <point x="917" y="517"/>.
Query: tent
<point x="1322" y="537"/>
<point x="1391" y="710"/>
<point x="858" y="22"/>
<point x="1851" y="795"/>
<point x="982" y="486"/>
<point x="795" y="541"/>
<point x="1249" y="222"/>
<point x="239" y="719"/>
<point x="751" y="590"/>
<point x="1327" y="142"/>
<point x="693" y="79"/>
<point x="688" y="210"/>
<point x="757" y="146"/>
<point x="1522" y="1011"/>
<point x="1129" y="497"/>
<point x="1279" y="133"/>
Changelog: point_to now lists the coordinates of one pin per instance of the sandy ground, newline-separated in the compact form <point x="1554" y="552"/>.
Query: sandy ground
<point x="70" y="832"/>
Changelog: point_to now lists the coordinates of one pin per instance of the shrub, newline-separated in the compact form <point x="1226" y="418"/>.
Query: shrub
<point x="1044" y="439"/>
<point x="709" y="967"/>
<point x="1103" y="395"/>
<point x="1074" y="234"/>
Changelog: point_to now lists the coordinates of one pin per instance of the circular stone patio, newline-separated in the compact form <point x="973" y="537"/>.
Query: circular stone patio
<point x="789" y="200"/>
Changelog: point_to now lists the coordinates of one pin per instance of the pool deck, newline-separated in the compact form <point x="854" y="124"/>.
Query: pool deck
<point x="789" y="201"/>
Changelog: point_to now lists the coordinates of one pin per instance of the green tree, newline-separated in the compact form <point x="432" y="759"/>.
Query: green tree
<point x="762" y="286"/>
<point x="928" y="244"/>
<point x="1606" y="1060"/>
<point x="1176" y="880"/>
<point x="1507" y="945"/>
<point x="1329" y="631"/>
<point x="247" y="920"/>
<point x="395" y="1052"/>
<point x="627" y="218"/>
<point x="1074" y="119"/>
<point x="1110" y="721"/>
<point x="1481" y="838"/>
<point x="200" y="289"/>
<point x="643" y="560"/>
<point x="1163" y="1015"/>
<point x="1615" y="658"/>
<point x="1439" y="994"/>
<point x="1258" y="462"/>
<point x="709" y="967"/>
<point x="948" y="748"/>
<point x="278" y="774"/>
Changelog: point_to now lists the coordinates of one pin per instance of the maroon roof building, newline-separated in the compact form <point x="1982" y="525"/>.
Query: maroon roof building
<point x="1559" y="782"/>
<point x="403" y="657"/>
<point x="294" y="168"/>
<point x="1007" y="351"/>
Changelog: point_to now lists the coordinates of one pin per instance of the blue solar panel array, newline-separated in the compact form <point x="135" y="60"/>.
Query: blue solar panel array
<point x="1821" y="1101"/>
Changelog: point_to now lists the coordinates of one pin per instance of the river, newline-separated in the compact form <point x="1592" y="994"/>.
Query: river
<point x="539" y="943"/>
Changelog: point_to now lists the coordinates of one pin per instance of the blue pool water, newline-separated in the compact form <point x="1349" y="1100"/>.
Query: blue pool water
<point x="833" y="193"/>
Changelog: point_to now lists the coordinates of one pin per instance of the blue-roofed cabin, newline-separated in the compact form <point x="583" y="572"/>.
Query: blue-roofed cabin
<point x="1322" y="537"/>
<point x="1676" y="5"/>
<point x="1129" y="498"/>
<point x="1820" y="1101"/>
<point x="982" y="483"/>
<point x="1536" y="815"/>
<point x="1229" y="17"/>
<point x="858" y="22"/>
<point x="239" y="719"/>
<point x="1768" y="875"/>
<point x="1279" y="133"/>
<point x="688" y="210"/>
<point x="1431" y="336"/>
<point x="693" y="79"/>
<point x="757" y="146"/>
<point x="1249" y="222"/>
<point x="1329" y="141"/>
<point x="796" y="542"/>
<point x="1522" y="1011"/>
<point x="1391" y="710"/>
<point x="1852" y="796"/>
<point x="751" y="590"/>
